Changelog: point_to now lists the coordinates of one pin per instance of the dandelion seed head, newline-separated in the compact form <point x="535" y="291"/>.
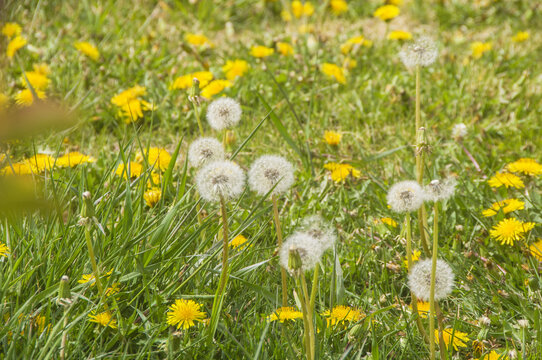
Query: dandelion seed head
<point x="459" y="131"/>
<point x="419" y="279"/>
<point x="204" y="150"/>
<point x="439" y="189"/>
<point x="422" y="52"/>
<point x="405" y="196"/>
<point x="270" y="171"/>
<point x="309" y="248"/>
<point x="223" y="113"/>
<point x="222" y="178"/>
<point x="321" y="230"/>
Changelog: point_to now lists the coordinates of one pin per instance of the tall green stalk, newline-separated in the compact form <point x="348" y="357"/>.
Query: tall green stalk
<point x="433" y="278"/>
<point x="279" y="244"/>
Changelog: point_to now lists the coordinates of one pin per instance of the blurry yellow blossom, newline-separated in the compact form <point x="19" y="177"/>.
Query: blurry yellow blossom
<point x="509" y="230"/>
<point x="154" y="180"/>
<point x="158" y="158"/>
<point x="4" y="250"/>
<point x="339" y="172"/>
<point x="40" y="163"/>
<point x="131" y="106"/>
<point x="235" y="68"/>
<point x="415" y="256"/>
<point x="521" y="36"/>
<point x="285" y="49"/>
<point x="478" y="48"/>
<point x="349" y="63"/>
<point x="197" y="39"/>
<point x="536" y="249"/>
<point x="285" y="15"/>
<point x="215" y="87"/>
<point x="506" y="179"/>
<point x="152" y="196"/>
<point x="113" y="289"/>
<point x="493" y="355"/>
<point x="15" y="44"/>
<point x="74" y="158"/>
<point x="11" y="29"/>
<point x="305" y="28"/>
<point x="186" y="81"/>
<point x="261" y="51"/>
<point x="526" y="166"/>
<point x="506" y="206"/>
<point x="42" y="69"/>
<point x="423" y="308"/>
<point x="393" y="223"/>
<point x="387" y="12"/>
<point x="87" y="49"/>
<point x="333" y="71"/>
<point x="36" y="79"/>
<point x="20" y="168"/>
<point x="399" y="35"/>
<point x="299" y="9"/>
<point x="105" y="319"/>
<point x="359" y="40"/>
<point x="338" y="6"/>
<point x="238" y="241"/>
<point x="283" y="314"/>
<point x="394" y="2"/>
<point x="341" y="314"/>
<point x="134" y="170"/>
<point x="332" y="137"/>
<point x="460" y="339"/>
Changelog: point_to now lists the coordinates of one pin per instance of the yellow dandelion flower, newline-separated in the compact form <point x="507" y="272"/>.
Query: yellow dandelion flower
<point x="342" y="314"/>
<point x="40" y="163"/>
<point x="507" y="180"/>
<point x="11" y="29"/>
<point x="234" y="69"/>
<point x="87" y="49"/>
<point x="4" y="250"/>
<point x="154" y="180"/>
<point x="239" y="242"/>
<point x="332" y="137"/>
<point x="493" y="355"/>
<point x="113" y="289"/>
<point x="197" y="39"/>
<point x="38" y="80"/>
<point x="535" y="249"/>
<point x="459" y="339"/>
<point x="285" y="49"/>
<point x="506" y="206"/>
<point x="73" y="159"/>
<point x="338" y="6"/>
<point x="415" y="257"/>
<point x="509" y="230"/>
<point x="394" y="2"/>
<point x="285" y="15"/>
<point x="526" y="166"/>
<point x="521" y="36"/>
<point x="333" y="71"/>
<point x="390" y="222"/>
<point x="42" y="68"/>
<point x="354" y="42"/>
<point x="105" y="319"/>
<point x="186" y="81"/>
<point x="14" y="45"/>
<point x="423" y="308"/>
<point x="283" y="314"/>
<point x="20" y="168"/>
<point x="39" y="321"/>
<point x="183" y="314"/>
<point x="399" y="35"/>
<point x="152" y="196"/>
<point x="478" y="48"/>
<point x="157" y="157"/>
<point x="131" y="106"/>
<point x="349" y="63"/>
<point x="134" y="170"/>
<point x="387" y="12"/>
<point x="260" y="51"/>
<point x="215" y="87"/>
<point x="89" y="278"/>
<point x="26" y="98"/>
<point x="339" y="172"/>
<point x="299" y="9"/>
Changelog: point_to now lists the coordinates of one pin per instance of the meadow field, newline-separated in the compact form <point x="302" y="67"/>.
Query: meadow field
<point x="271" y="179"/>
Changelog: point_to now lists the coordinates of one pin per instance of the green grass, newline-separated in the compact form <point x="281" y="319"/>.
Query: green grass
<point x="163" y="253"/>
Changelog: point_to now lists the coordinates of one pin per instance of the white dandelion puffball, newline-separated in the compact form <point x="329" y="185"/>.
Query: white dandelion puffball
<point x="422" y="52"/>
<point x="317" y="227"/>
<point x="221" y="178"/>
<point x="270" y="171"/>
<point x="204" y="150"/>
<point x="419" y="279"/>
<point x="405" y="196"/>
<point x="223" y="113"/>
<point x="308" y="247"/>
<point x="439" y="189"/>
<point x="459" y="131"/>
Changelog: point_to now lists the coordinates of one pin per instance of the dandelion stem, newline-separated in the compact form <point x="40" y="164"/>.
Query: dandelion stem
<point x="93" y="261"/>
<point x="314" y="288"/>
<point x="310" y="318"/>
<point x="433" y="278"/>
<point x="64" y="335"/>
<point x="279" y="244"/>
<point x="306" y="334"/>
<point x="196" y="113"/>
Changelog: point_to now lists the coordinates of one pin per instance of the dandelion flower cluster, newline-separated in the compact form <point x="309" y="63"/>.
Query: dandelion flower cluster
<point x="341" y="314"/>
<point x="14" y="45"/>
<point x="525" y="166"/>
<point x="479" y="48"/>
<point x="220" y="179"/>
<point x="183" y="313"/>
<point x="423" y="308"/>
<point x="87" y="49"/>
<point x="438" y="190"/>
<point x="152" y="196"/>
<point x="238" y="242"/>
<point x="307" y="247"/>
<point x="399" y="35"/>
<point x="333" y="71"/>
<point x="536" y="250"/>
<point x="235" y="68"/>
<point x="332" y="138"/>
<point x="507" y="206"/>
<point x="11" y="29"/>
<point x="130" y="103"/>
<point x="339" y="172"/>
<point x="105" y="319"/>
<point x="456" y="338"/>
<point x="509" y="230"/>
<point x="271" y="173"/>
<point x="224" y="113"/>
<point x="285" y="313"/>
<point x="405" y="196"/>
<point x="186" y="81"/>
<point x="4" y="250"/>
<point x="204" y="150"/>
<point x="422" y="52"/>
<point x="157" y="157"/>
<point x="260" y="51"/>
<point x="131" y="171"/>
<point x="419" y="279"/>
<point x="507" y="180"/>
<point x="387" y="12"/>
